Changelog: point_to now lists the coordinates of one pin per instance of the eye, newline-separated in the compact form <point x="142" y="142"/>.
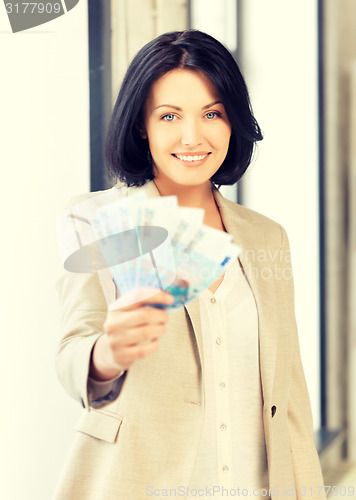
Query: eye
<point x="168" y="118"/>
<point x="212" y="114"/>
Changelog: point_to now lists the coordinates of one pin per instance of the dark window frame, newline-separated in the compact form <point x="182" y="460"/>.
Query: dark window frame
<point x="99" y="34"/>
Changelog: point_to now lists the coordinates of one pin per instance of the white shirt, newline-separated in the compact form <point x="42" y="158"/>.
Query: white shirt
<point x="232" y="451"/>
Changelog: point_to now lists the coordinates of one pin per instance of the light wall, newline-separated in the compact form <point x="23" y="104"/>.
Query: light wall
<point x="44" y="158"/>
<point x="279" y="60"/>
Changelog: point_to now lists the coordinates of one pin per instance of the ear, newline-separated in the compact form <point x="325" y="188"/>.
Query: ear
<point x="141" y="130"/>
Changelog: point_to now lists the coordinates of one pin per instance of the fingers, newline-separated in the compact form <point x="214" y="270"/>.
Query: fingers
<point x="127" y="355"/>
<point x="140" y="296"/>
<point x="126" y="346"/>
<point x="122" y="320"/>
<point x="133" y="328"/>
<point x="138" y="335"/>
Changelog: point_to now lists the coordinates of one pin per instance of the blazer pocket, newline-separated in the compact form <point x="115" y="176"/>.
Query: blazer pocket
<point x="100" y="425"/>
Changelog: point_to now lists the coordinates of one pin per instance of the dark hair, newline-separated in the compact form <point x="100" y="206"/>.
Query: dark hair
<point x="127" y="153"/>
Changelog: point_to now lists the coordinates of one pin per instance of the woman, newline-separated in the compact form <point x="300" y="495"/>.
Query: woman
<point x="209" y="400"/>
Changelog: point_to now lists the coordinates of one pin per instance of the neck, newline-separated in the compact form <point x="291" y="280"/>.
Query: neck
<point x="189" y="196"/>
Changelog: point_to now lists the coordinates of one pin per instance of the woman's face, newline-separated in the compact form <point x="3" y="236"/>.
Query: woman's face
<point x="187" y="129"/>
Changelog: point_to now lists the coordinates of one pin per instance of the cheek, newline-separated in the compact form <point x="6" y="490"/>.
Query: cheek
<point x="224" y="138"/>
<point x="228" y="137"/>
<point x="227" y="131"/>
<point x="161" y="139"/>
<point x="157" y="146"/>
<point x="220" y="135"/>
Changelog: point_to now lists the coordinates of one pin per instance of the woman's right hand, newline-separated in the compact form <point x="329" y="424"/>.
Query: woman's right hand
<point x="132" y="330"/>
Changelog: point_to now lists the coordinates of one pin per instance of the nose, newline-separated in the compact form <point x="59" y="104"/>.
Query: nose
<point x="191" y="132"/>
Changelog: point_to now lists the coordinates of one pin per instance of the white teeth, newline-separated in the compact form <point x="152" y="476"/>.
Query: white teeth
<point x="191" y="158"/>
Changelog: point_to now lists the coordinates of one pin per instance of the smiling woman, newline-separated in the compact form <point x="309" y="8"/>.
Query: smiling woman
<point x="211" y="396"/>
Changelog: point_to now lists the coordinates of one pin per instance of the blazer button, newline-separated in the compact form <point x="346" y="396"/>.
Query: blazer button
<point x="273" y="410"/>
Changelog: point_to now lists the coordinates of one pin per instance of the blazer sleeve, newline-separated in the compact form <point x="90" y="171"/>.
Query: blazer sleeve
<point x="83" y="310"/>
<point x="83" y="299"/>
<point x="307" y="471"/>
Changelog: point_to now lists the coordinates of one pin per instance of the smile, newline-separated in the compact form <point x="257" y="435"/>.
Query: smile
<point x="190" y="158"/>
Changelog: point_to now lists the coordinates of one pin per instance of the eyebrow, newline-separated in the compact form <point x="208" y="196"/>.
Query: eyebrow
<point x="180" y="109"/>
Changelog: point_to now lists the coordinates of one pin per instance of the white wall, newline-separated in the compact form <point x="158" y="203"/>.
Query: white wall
<point x="279" y="55"/>
<point x="218" y="18"/>
<point x="44" y="158"/>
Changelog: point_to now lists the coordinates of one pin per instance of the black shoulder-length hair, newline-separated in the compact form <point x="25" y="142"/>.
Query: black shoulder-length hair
<point x="127" y="152"/>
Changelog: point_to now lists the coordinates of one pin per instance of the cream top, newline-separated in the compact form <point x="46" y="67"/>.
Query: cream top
<point x="232" y="451"/>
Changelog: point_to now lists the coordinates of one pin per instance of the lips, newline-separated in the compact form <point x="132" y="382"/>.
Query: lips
<point x="191" y="157"/>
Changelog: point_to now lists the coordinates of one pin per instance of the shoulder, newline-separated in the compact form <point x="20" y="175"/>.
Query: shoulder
<point x="119" y="190"/>
<point x="253" y="226"/>
<point x="252" y="216"/>
<point x="96" y="197"/>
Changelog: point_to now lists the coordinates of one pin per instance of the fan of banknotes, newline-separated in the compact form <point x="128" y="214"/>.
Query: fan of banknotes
<point x="145" y="242"/>
<point x="153" y="242"/>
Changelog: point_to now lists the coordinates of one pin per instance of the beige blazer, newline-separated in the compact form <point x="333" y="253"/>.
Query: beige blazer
<point x="148" y="437"/>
